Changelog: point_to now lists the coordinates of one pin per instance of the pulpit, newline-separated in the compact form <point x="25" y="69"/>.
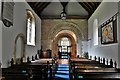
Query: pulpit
<point x="49" y="52"/>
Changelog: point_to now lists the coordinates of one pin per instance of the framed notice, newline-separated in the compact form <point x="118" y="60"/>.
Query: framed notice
<point x="7" y="13"/>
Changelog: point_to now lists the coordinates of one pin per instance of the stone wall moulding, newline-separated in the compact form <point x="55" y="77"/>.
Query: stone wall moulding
<point x="66" y="26"/>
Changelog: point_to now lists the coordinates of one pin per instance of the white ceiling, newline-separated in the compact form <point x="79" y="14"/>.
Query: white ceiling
<point x="54" y="8"/>
<point x="72" y="9"/>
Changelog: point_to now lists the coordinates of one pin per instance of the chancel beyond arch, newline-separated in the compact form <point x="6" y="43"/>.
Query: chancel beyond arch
<point x="57" y="38"/>
<point x="71" y="26"/>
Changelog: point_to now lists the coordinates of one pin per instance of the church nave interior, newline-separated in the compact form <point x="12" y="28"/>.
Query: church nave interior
<point x="59" y="40"/>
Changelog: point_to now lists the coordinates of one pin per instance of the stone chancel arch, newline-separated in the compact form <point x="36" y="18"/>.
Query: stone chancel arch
<point x="51" y="28"/>
<point x="65" y="25"/>
<point x="70" y="26"/>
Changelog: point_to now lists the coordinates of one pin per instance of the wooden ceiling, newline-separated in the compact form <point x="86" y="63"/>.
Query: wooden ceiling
<point x="90" y="7"/>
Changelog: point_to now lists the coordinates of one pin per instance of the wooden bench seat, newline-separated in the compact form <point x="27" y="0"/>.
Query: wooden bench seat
<point x="79" y="65"/>
<point x="96" y="70"/>
<point x="84" y="69"/>
<point x="97" y="75"/>
<point x="39" y="72"/>
<point x="16" y="76"/>
<point x="86" y="62"/>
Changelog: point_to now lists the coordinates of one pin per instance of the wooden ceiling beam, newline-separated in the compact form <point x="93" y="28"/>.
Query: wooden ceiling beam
<point x="64" y="4"/>
<point x="68" y="17"/>
<point x="85" y="7"/>
<point x="39" y="5"/>
<point x="89" y="5"/>
<point x="93" y="5"/>
<point x="41" y="8"/>
<point x="32" y="5"/>
<point x="98" y="3"/>
<point x="36" y="4"/>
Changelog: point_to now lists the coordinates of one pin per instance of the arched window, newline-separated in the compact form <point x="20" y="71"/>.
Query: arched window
<point x="30" y="28"/>
<point x="64" y="42"/>
<point x="95" y="32"/>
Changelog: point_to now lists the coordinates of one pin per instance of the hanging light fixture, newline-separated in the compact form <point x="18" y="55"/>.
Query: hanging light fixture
<point x="63" y="15"/>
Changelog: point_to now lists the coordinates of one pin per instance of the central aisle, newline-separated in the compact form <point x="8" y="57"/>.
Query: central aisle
<point x="62" y="72"/>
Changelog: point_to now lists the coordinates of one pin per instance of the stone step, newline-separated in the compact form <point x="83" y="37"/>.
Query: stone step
<point x="62" y="69"/>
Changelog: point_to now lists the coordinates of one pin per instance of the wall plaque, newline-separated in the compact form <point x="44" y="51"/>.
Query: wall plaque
<point x="7" y="13"/>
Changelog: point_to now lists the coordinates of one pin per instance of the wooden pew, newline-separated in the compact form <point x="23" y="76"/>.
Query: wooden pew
<point x="90" y="66"/>
<point x="97" y="75"/>
<point x="96" y="70"/>
<point x="85" y="69"/>
<point x="13" y="74"/>
<point x="36" y="70"/>
<point x="16" y="76"/>
<point x="35" y="73"/>
<point x="90" y="63"/>
<point x="39" y="69"/>
<point x="84" y="72"/>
